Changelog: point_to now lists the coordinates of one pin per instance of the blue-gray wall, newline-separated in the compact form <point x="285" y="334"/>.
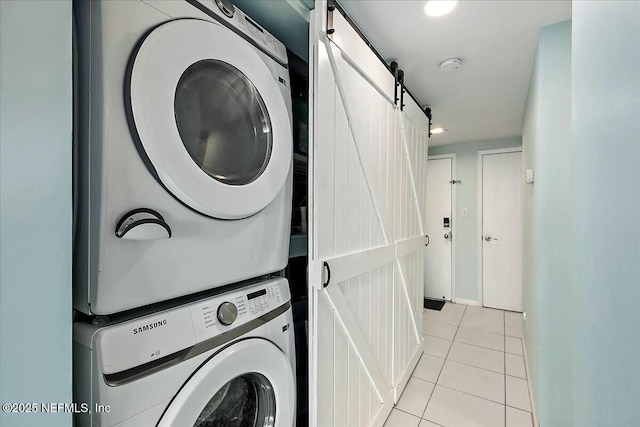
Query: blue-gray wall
<point x="548" y="293"/>
<point x="466" y="228"/>
<point x="606" y="211"/>
<point x="35" y="207"/>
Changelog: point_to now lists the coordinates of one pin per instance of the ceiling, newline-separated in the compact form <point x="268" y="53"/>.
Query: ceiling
<point x="496" y="41"/>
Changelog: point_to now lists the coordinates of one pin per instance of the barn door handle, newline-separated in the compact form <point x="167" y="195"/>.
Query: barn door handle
<point x="428" y="239"/>
<point x="326" y="266"/>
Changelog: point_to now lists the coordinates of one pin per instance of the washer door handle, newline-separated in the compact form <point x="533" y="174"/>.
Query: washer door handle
<point x="142" y="224"/>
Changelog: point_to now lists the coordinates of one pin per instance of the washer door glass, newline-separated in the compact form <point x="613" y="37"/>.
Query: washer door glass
<point x="245" y="401"/>
<point x="223" y="122"/>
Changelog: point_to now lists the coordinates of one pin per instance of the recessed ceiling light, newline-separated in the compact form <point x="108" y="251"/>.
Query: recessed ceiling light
<point x="438" y="129"/>
<point x="440" y="7"/>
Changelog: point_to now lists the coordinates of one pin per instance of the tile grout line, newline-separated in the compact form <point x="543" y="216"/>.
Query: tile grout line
<point x="480" y="329"/>
<point x="466" y="343"/>
<point x="519" y="409"/>
<point x="479" y="346"/>
<point x="471" y="394"/>
<point x="477" y="367"/>
<point x="420" y="419"/>
<point x="445" y="361"/>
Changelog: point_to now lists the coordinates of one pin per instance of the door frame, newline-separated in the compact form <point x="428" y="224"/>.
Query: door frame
<point x="479" y="252"/>
<point x="451" y="156"/>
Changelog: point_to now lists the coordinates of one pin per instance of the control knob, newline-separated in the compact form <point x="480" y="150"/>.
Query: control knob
<point x="226" y="7"/>
<point x="227" y="313"/>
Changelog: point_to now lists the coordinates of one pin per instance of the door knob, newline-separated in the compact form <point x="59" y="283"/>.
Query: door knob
<point x="449" y="235"/>
<point x="488" y="239"/>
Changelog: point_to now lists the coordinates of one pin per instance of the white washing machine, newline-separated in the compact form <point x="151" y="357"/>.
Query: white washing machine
<point x="223" y="361"/>
<point x="184" y="153"/>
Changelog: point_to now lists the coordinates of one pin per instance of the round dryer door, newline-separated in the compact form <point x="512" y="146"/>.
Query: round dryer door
<point x="248" y="384"/>
<point x="209" y="118"/>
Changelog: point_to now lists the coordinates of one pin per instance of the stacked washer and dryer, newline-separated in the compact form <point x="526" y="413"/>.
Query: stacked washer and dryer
<point x="184" y="165"/>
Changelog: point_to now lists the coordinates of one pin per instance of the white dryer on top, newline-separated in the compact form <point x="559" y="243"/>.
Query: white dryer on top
<point x="185" y="151"/>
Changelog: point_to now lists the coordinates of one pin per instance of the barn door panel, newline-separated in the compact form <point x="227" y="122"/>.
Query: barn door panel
<point x="366" y="242"/>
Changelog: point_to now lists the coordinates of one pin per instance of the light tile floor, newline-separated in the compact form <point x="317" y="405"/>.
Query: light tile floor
<point x="472" y="372"/>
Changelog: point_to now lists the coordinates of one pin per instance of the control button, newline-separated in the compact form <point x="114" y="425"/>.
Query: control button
<point x="227" y="313"/>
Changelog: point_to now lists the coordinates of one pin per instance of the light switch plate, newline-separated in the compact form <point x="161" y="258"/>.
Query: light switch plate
<point x="529" y="176"/>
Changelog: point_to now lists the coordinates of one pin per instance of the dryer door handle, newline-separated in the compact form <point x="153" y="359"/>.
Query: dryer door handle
<point x="142" y="224"/>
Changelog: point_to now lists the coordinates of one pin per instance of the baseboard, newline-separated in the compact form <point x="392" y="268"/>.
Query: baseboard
<point x="531" y="399"/>
<point x="468" y="302"/>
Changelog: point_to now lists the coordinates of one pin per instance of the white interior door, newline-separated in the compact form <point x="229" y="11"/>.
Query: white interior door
<point x="367" y="242"/>
<point x="502" y="230"/>
<point x="439" y="228"/>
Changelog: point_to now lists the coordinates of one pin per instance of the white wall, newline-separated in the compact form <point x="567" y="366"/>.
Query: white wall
<point x="35" y="208"/>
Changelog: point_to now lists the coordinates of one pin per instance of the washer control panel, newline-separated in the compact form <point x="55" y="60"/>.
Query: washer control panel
<point x="264" y="300"/>
<point x="217" y="315"/>
<point x="154" y="336"/>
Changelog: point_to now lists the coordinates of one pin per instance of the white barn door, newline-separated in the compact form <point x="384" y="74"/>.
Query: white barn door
<point x="366" y="266"/>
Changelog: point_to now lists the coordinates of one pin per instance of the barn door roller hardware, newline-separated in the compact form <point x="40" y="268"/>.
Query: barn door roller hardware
<point x="427" y="112"/>
<point x="330" y="30"/>
<point x="394" y="71"/>
<point x="334" y="7"/>
<point x="402" y="89"/>
<point x="398" y="76"/>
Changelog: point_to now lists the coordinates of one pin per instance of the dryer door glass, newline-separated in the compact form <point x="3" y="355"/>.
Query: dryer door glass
<point x="223" y="122"/>
<point x="245" y="401"/>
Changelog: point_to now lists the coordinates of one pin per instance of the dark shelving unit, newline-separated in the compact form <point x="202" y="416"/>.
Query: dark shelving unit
<point x="296" y="271"/>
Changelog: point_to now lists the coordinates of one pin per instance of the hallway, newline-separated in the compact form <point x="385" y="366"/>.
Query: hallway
<point x="472" y="372"/>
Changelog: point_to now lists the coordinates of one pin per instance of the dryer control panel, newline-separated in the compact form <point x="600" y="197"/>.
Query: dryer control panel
<point x="161" y="334"/>
<point x="225" y="12"/>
